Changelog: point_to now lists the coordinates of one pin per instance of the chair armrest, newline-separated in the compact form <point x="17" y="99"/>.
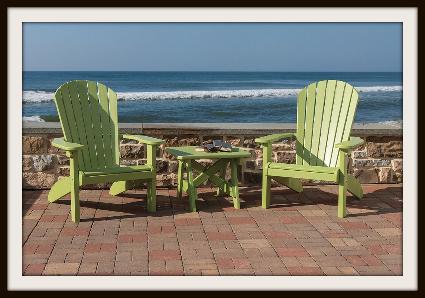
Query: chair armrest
<point x="349" y="145"/>
<point x="274" y="138"/>
<point x="144" y="139"/>
<point x="67" y="146"/>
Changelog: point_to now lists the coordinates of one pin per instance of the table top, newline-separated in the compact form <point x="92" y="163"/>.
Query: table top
<point x="189" y="152"/>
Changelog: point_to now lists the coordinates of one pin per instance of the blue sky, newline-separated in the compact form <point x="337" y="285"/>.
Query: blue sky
<point x="213" y="46"/>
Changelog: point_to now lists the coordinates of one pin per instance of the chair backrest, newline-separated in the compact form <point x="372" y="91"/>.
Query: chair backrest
<point x="325" y="114"/>
<point x="88" y="115"/>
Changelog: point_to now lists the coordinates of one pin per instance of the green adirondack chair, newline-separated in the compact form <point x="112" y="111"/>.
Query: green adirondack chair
<point x="325" y="115"/>
<point x="89" y="119"/>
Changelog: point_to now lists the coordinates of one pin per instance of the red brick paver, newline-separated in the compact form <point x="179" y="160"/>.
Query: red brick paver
<point x="299" y="235"/>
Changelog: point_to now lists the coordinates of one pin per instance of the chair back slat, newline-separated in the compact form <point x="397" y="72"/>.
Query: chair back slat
<point x="325" y="114"/>
<point x="88" y="115"/>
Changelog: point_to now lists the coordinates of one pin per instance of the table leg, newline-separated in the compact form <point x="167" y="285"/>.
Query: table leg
<point x="191" y="187"/>
<point x="235" y="188"/>
<point x="180" y="180"/>
<point x="221" y="191"/>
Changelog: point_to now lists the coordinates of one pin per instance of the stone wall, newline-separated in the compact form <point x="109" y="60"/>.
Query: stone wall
<point x="380" y="160"/>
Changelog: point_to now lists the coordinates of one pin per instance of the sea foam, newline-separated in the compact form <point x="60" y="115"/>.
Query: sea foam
<point x="37" y="96"/>
<point x="42" y="96"/>
<point x="394" y="123"/>
<point x="380" y="89"/>
<point x="32" y="119"/>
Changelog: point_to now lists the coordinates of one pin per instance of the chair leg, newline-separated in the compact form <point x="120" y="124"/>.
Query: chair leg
<point x="266" y="180"/>
<point x="292" y="183"/>
<point x="119" y="187"/>
<point x="61" y="188"/>
<point x="191" y="188"/>
<point x="342" y="185"/>
<point x="342" y="196"/>
<point x="151" y="194"/>
<point x="354" y="186"/>
<point x="265" y="191"/>
<point x="180" y="180"/>
<point x="75" y="187"/>
<point x="235" y="186"/>
<point x="75" y="203"/>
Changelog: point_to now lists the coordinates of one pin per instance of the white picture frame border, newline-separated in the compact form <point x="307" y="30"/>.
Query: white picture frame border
<point x="407" y="16"/>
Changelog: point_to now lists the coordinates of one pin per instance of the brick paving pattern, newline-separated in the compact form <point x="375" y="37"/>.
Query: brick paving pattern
<point x="299" y="235"/>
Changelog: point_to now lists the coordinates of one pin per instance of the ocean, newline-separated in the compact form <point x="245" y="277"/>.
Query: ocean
<point x="214" y="97"/>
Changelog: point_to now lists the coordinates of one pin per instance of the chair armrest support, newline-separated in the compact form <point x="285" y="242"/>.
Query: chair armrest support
<point x="349" y="145"/>
<point x="67" y="146"/>
<point x="144" y="139"/>
<point x="150" y="148"/>
<point x="274" y="138"/>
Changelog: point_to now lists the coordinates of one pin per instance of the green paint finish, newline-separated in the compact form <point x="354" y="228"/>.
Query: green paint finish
<point x="61" y="188"/>
<point x="96" y="124"/>
<point x="113" y="112"/>
<point x="299" y="145"/>
<point x="350" y="116"/>
<point x="326" y="117"/>
<point x="75" y="193"/>
<point x="216" y="167"/>
<point x="89" y="120"/>
<point x="265" y="191"/>
<point x="180" y="180"/>
<point x="72" y="127"/>
<point x="191" y="187"/>
<point x="85" y="162"/>
<point x="215" y="173"/>
<point x="342" y="185"/>
<point x="81" y="89"/>
<point x="144" y="139"/>
<point x="325" y="114"/>
<point x="119" y="170"/>
<point x="222" y="191"/>
<point x="189" y="152"/>
<point x="105" y="122"/>
<point x="67" y="146"/>
<point x="302" y="175"/>
<point x="113" y="177"/>
<point x="292" y="183"/>
<point x="340" y="128"/>
<point x="266" y="181"/>
<point x="234" y="180"/>
<point x="119" y="187"/>
<point x="302" y="171"/>
<point x="334" y="123"/>
<point x="309" y="117"/>
<point x="317" y="123"/>
<point x="151" y="195"/>
<point x="274" y="138"/>
<point x="302" y="168"/>
<point x="216" y="180"/>
<point x="354" y="186"/>
<point x="351" y="144"/>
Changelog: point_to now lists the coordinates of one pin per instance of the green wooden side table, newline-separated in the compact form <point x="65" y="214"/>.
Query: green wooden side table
<point x="187" y="158"/>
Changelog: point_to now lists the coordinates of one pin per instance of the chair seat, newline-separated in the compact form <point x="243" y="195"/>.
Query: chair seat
<point x="303" y="171"/>
<point x="116" y="170"/>
<point x="303" y="168"/>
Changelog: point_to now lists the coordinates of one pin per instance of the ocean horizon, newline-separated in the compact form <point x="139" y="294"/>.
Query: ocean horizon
<point x="214" y="96"/>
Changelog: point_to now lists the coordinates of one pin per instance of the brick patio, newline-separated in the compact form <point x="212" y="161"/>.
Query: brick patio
<point x="299" y="235"/>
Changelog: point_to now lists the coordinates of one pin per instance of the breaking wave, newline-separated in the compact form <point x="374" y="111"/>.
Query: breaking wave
<point x="394" y="123"/>
<point x="43" y="96"/>
<point x="380" y="89"/>
<point x="32" y="119"/>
